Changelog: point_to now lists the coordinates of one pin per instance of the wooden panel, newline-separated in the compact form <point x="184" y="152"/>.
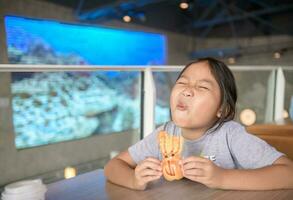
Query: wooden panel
<point x="271" y="129"/>
<point x="279" y="136"/>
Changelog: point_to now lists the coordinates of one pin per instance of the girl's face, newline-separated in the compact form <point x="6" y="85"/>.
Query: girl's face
<point x="195" y="98"/>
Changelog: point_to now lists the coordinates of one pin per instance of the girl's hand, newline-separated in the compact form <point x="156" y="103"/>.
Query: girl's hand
<point x="202" y="170"/>
<point x="148" y="170"/>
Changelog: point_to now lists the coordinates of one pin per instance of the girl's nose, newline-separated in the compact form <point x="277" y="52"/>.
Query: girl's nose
<point x="187" y="92"/>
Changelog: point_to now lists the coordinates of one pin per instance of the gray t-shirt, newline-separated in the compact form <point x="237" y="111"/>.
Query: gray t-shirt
<point x="231" y="146"/>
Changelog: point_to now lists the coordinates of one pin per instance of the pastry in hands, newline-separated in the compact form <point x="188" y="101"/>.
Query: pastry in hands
<point x="170" y="147"/>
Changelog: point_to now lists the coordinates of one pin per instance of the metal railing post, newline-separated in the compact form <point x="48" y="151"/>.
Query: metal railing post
<point x="269" y="110"/>
<point x="149" y="103"/>
<point x="279" y="96"/>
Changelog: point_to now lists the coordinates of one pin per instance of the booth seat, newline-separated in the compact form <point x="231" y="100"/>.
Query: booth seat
<point x="279" y="136"/>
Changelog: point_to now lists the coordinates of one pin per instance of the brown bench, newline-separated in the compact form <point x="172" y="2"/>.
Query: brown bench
<point x="279" y="136"/>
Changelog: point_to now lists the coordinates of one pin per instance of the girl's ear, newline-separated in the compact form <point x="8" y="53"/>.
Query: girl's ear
<point x="219" y="113"/>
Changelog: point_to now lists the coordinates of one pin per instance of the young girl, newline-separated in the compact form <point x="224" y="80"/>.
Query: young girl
<point x="217" y="151"/>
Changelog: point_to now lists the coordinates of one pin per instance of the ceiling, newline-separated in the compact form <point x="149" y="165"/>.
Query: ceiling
<point x="203" y="18"/>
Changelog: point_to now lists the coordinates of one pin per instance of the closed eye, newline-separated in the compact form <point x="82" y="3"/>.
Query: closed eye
<point x="204" y="88"/>
<point x="181" y="83"/>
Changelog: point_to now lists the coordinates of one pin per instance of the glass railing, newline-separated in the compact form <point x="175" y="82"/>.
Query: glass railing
<point x="264" y="93"/>
<point x="288" y="99"/>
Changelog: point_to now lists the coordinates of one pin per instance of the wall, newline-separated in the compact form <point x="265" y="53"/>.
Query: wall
<point x="259" y="52"/>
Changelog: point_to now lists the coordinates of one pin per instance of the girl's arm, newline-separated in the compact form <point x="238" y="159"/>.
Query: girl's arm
<point x="122" y="170"/>
<point x="277" y="176"/>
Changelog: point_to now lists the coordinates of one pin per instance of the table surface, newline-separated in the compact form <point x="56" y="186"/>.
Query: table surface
<point x="93" y="186"/>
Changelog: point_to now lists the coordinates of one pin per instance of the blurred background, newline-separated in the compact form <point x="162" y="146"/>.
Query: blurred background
<point x="58" y="122"/>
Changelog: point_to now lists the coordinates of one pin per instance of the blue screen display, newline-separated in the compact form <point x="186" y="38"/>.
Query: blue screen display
<point x="31" y="41"/>
<point x="51" y="107"/>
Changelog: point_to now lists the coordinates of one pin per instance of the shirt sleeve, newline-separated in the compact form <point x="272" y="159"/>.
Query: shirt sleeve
<point x="147" y="147"/>
<point x="249" y="151"/>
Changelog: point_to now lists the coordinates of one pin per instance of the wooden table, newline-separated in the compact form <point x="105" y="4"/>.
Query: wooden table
<point x="93" y="186"/>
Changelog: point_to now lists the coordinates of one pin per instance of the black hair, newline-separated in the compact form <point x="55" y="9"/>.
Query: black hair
<point x="226" y="82"/>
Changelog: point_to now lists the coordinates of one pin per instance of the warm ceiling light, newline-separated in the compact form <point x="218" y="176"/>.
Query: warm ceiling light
<point x="277" y="55"/>
<point x="183" y="5"/>
<point x="231" y="60"/>
<point x="126" y="18"/>
<point x="69" y="172"/>
<point x="285" y="114"/>
<point x="247" y="117"/>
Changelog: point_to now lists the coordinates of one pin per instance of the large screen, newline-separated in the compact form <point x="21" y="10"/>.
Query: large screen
<point x="50" y="107"/>
<point x="32" y="41"/>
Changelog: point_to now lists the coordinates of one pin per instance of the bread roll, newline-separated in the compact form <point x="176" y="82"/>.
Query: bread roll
<point x="170" y="147"/>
